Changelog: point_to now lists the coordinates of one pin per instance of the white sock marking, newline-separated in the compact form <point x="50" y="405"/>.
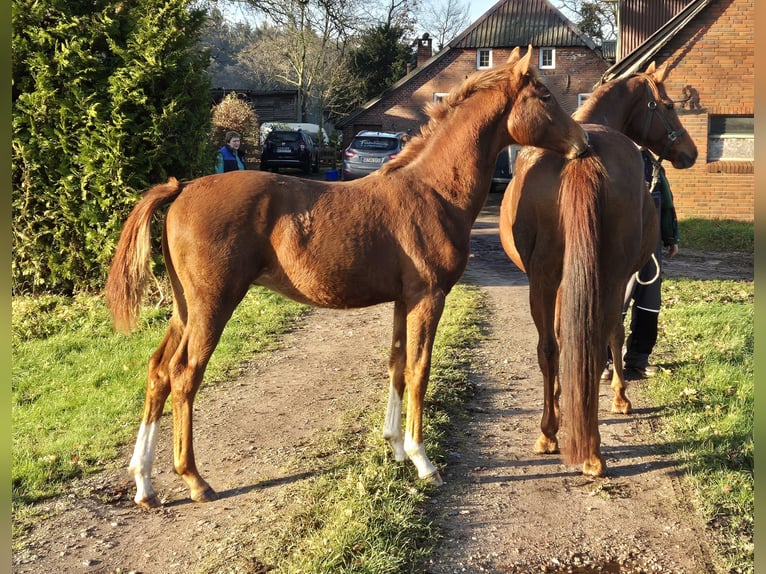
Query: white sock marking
<point x="417" y="454"/>
<point x="392" y="427"/>
<point x="142" y="460"/>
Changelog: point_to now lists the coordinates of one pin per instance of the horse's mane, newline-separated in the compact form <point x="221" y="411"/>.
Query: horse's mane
<point x="616" y="84"/>
<point x="438" y="111"/>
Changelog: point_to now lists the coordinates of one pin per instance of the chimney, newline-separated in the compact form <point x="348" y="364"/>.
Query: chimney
<point x="424" y="49"/>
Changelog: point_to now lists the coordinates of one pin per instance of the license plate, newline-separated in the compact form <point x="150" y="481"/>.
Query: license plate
<point x="283" y="150"/>
<point x="372" y="160"/>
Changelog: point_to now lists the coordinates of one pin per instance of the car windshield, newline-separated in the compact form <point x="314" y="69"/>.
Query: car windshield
<point x="284" y="137"/>
<point x="367" y="143"/>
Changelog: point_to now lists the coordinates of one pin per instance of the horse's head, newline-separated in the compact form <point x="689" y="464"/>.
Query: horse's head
<point x="655" y="123"/>
<point x="535" y="118"/>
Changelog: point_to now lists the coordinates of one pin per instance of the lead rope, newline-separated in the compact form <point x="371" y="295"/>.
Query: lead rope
<point x="656" y="273"/>
<point x="655" y="178"/>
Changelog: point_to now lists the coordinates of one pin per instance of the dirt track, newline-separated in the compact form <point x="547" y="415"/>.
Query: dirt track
<point x="502" y="509"/>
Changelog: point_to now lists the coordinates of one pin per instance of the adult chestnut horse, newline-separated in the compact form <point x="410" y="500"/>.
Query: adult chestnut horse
<point x="579" y="229"/>
<point x="401" y="234"/>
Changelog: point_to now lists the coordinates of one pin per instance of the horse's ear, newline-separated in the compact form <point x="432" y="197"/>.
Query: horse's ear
<point x="515" y="55"/>
<point x="650" y="68"/>
<point x="523" y="65"/>
<point x="660" y="73"/>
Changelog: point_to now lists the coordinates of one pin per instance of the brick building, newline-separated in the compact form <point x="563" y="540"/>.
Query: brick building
<point x="569" y="61"/>
<point x="711" y="49"/>
<point x="710" y="45"/>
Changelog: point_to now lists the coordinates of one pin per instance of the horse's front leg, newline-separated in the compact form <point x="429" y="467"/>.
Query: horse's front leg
<point x="157" y="391"/>
<point x="392" y="427"/>
<point x="422" y="320"/>
<point x="542" y="302"/>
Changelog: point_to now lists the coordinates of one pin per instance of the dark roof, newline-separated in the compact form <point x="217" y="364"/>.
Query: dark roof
<point x="609" y="49"/>
<point x="639" y="19"/>
<point x="639" y="58"/>
<point x="511" y="23"/>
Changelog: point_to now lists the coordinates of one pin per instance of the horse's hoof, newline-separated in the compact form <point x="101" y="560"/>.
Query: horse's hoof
<point x="434" y="478"/>
<point x="544" y="445"/>
<point x="150" y="502"/>
<point x="594" y="469"/>
<point x="207" y="495"/>
<point x="622" y="407"/>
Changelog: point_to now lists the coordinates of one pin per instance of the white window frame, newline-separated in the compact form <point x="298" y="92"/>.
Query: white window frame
<point x="439" y="96"/>
<point x="726" y="146"/>
<point x="581" y="98"/>
<point x="479" y="53"/>
<point x="543" y="52"/>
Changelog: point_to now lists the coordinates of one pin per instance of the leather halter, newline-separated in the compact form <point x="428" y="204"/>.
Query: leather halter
<point x="654" y="108"/>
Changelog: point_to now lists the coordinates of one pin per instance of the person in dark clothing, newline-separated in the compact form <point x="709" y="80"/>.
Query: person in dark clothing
<point x="645" y="287"/>
<point x="230" y="158"/>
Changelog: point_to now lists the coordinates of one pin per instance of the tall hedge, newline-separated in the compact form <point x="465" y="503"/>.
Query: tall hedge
<point x="108" y="99"/>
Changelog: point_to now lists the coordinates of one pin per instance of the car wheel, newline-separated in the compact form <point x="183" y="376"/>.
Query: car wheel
<point x="307" y="166"/>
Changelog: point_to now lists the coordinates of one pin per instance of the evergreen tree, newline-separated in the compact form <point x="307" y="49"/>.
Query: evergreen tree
<point x="380" y="60"/>
<point x="107" y="98"/>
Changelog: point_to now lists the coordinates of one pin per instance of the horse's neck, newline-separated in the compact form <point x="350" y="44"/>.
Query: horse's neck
<point x="611" y="107"/>
<point x="459" y="158"/>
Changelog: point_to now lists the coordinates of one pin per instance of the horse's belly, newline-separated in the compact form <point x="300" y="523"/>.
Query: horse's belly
<point x="332" y="290"/>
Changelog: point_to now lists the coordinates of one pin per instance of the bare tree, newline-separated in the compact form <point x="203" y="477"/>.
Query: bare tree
<point x="443" y="21"/>
<point x="595" y="18"/>
<point x="303" y="44"/>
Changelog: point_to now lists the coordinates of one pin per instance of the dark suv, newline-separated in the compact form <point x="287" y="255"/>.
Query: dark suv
<point x="370" y="150"/>
<point x="287" y="148"/>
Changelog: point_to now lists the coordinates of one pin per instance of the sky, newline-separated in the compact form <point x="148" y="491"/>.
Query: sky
<point x="478" y="7"/>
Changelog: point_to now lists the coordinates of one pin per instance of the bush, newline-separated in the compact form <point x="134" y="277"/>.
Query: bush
<point x="234" y="113"/>
<point x="108" y="98"/>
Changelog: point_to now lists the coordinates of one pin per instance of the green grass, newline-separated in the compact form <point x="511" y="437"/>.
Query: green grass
<point x="716" y="235"/>
<point x="706" y="343"/>
<point x="362" y="512"/>
<point x="707" y="391"/>
<point x="78" y="388"/>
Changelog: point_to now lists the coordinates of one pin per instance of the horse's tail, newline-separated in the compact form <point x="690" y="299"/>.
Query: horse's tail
<point x="581" y="343"/>
<point x="130" y="269"/>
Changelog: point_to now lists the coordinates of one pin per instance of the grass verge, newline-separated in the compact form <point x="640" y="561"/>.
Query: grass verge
<point x="706" y="392"/>
<point x="78" y="387"/>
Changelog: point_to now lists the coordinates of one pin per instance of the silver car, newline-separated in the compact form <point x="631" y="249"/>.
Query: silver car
<point x="370" y="150"/>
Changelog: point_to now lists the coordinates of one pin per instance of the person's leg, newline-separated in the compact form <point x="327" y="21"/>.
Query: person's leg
<point x="643" y="326"/>
<point x="643" y="336"/>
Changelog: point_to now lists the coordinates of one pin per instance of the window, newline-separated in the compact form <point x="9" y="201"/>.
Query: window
<point x="730" y="138"/>
<point x="439" y="96"/>
<point x="483" y="59"/>
<point x="581" y="99"/>
<point x="547" y="58"/>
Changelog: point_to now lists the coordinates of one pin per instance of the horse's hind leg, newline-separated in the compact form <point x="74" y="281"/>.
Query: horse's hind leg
<point x="620" y="403"/>
<point x="157" y="391"/>
<point x="187" y="368"/>
<point x="543" y="308"/>
<point x="392" y="427"/>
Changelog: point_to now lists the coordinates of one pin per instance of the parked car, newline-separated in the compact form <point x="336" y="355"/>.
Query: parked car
<point x="287" y="148"/>
<point x="504" y="168"/>
<point x="370" y="150"/>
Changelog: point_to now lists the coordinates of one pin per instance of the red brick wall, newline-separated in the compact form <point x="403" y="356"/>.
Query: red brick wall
<point x="577" y="69"/>
<point x="715" y="54"/>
